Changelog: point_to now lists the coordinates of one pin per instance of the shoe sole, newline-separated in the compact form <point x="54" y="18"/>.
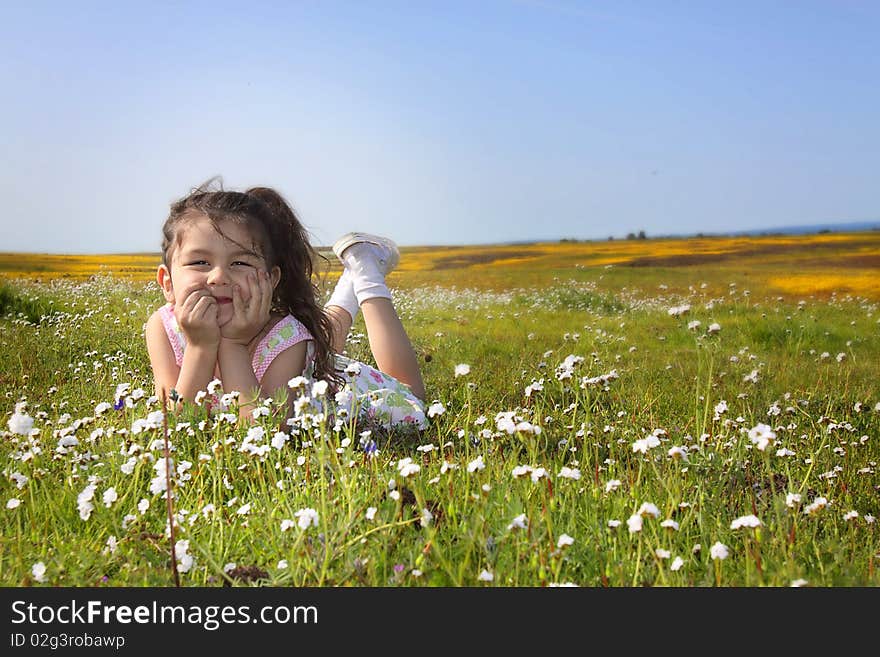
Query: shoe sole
<point x="350" y="239"/>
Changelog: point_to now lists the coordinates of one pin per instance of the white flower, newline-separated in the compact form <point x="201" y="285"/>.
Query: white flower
<point x="851" y="515"/>
<point x="244" y="509"/>
<point x="319" y="388"/>
<point x="569" y="473"/>
<point x="714" y="327"/>
<point x="184" y="559"/>
<point x="721" y="407"/>
<point x="817" y="505"/>
<point x="746" y="521"/>
<point x="662" y="554"/>
<point x="634" y="523"/>
<point x="112" y="545"/>
<point x="537" y="473"/>
<point x="298" y="382"/>
<point x="613" y="524"/>
<point x="436" y="409"/>
<point x="102" y="408"/>
<point x="485" y="576"/>
<point x="644" y="444"/>
<point x="84" y="502"/>
<point x="520" y="522"/>
<point x="287" y="524"/>
<point x="110" y="496"/>
<point x="650" y="509"/>
<point x="797" y="583"/>
<point x="143" y="505"/>
<point x="761" y="435"/>
<point x="792" y="499"/>
<point x="719" y="551"/>
<point x="612" y="485"/>
<point x="21" y="424"/>
<point x="676" y="564"/>
<point x="521" y="470"/>
<point x="306" y="517"/>
<point x="462" y="369"/>
<point x="13" y="503"/>
<point x="476" y="464"/>
<point x="282" y="564"/>
<point x="671" y="524"/>
<point x="371" y="512"/>
<point x="279" y="439"/>
<point x="406" y="467"/>
<point x="39" y="571"/>
<point x="228" y="568"/>
<point x="564" y="540"/>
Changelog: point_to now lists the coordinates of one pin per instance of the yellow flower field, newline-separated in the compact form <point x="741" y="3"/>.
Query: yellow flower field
<point x="820" y="264"/>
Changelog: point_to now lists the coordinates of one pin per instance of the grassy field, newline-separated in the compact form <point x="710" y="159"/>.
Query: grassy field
<point x="689" y="412"/>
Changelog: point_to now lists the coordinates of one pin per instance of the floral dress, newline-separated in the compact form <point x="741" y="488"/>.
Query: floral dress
<point x="376" y="395"/>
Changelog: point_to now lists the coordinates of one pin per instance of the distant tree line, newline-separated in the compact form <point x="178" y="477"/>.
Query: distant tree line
<point x="630" y="236"/>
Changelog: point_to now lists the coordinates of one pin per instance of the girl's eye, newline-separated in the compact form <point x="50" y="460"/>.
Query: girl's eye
<point x="241" y="262"/>
<point x="197" y="263"/>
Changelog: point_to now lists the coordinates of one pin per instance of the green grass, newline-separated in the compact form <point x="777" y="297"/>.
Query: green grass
<point x="65" y="346"/>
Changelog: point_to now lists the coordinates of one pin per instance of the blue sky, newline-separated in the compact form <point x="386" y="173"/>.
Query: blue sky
<point x="439" y="122"/>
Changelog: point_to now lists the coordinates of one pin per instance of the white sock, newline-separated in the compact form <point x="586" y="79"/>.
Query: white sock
<point x="343" y="295"/>
<point x="368" y="281"/>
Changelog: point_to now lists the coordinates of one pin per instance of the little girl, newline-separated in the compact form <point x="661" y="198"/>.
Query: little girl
<point x="241" y="307"/>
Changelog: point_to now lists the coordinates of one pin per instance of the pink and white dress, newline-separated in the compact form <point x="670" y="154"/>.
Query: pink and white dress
<point x="375" y="394"/>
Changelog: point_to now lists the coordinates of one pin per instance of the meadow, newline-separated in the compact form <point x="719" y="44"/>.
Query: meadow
<point x="663" y="412"/>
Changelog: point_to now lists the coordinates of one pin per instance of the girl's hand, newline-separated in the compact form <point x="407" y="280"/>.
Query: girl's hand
<point x="250" y="311"/>
<point x="197" y="317"/>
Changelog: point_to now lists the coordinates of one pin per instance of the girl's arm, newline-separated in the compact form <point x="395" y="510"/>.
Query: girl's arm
<point x="237" y="374"/>
<point x="251" y="313"/>
<point x="236" y="371"/>
<point x="196" y="371"/>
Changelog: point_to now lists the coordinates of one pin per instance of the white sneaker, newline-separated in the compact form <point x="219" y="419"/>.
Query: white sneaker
<point x="385" y="250"/>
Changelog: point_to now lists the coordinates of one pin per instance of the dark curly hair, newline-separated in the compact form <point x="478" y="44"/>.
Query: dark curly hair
<point x="280" y="238"/>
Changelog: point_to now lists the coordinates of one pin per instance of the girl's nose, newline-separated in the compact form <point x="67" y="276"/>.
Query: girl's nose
<point x="217" y="276"/>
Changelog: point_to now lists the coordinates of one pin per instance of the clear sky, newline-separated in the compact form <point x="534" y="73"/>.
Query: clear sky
<point x="439" y="122"/>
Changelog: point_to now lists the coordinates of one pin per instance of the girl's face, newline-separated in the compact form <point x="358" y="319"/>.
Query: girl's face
<point x="206" y="259"/>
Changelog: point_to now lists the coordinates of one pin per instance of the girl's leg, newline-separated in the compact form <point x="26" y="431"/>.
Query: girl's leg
<point x="342" y="308"/>
<point x="390" y="344"/>
<point x="367" y="259"/>
<point x="342" y="322"/>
